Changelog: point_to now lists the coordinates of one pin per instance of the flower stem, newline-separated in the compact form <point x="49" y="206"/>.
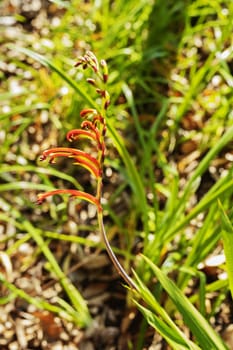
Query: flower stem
<point x="111" y="254"/>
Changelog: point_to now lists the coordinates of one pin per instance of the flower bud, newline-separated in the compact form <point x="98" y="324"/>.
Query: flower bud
<point x="105" y="70"/>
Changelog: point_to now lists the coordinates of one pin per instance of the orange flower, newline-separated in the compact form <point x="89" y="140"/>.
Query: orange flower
<point x="74" y="193"/>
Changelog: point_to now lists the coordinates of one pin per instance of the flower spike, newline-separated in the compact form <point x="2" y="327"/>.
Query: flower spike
<point x="93" y="128"/>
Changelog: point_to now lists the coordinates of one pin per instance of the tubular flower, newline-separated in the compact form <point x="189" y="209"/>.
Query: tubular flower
<point x="77" y="154"/>
<point x="74" y="193"/>
<point x="79" y="133"/>
<point x="88" y="112"/>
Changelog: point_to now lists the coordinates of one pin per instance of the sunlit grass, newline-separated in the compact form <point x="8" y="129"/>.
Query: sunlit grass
<point x="169" y="130"/>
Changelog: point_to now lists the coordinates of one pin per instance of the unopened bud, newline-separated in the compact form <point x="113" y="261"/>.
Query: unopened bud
<point x="107" y="100"/>
<point x="87" y="111"/>
<point x="105" y="70"/>
<point x="91" y="81"/>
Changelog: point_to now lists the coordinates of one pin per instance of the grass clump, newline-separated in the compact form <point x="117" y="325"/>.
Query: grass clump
<point x="168" y="167"/>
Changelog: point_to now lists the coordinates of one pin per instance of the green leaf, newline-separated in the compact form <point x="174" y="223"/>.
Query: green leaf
<point x="49" y="64"/>
<point x="163" y="324"/>
<point x="23" y="109"/>
<point x="227" y="236"/>
<point x="172" y="338"/>
<point x="79" y="304"/>
<point x="205" y="335"/>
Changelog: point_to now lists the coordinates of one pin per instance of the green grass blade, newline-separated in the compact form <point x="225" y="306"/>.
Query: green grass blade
<point x="24" y="109"/>
<point x="37" y="302"/>
<point x="166" y="325"/>
<point x="129" y="97"/>
<point x="205" y="335"/>
<point x="207" y="201"/>
<point x="194" y="88"/>
<point x="174" y="223"/>
<point x="205" y="162"/>
<point x="227" y="237"/>
<point x="12" y="94"/>
<point x="23" y="185"/>
<point x="73" y="294"/>
<point x="40" y="171"/>
<point x="202" y="167"/>
<point x="134" y="179"/>
<point x="49" y="64"/>
<point x="172" y="338"/>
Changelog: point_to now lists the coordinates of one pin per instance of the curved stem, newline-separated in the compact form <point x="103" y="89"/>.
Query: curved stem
<point x="112" y="256"/>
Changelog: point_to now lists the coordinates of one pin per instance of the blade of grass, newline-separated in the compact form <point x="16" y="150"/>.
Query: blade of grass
<point x="49" y="64"/>
<point x="163" y="324"/>
<point x="205" y="335"/>
<point x="223" y="187"/>
<point x="134" y="179"/>
<point x="129" y="97"/>
<point x="24" y="109"/>
<point x="174" y="340"/>
<point x="207" y="200"/>
<point x="83" y="317"/>
<point x="227" y="237"/>
<point x="37" y="302"/>
<point x="200" y="244"/>
<point x="205" y="162"/>
<point x="75" y="297"/>
<point x="200" y="296"/>
<point x="11" y="94"/>
<point x="39" y="170"/>
<point x="171" y="227"/>
<point x="202" y="167"/>
<point x="196" y="85"/>
<point x="23" y="185"/>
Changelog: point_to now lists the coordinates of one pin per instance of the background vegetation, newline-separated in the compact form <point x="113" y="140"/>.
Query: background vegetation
<point x="168" y="180"/>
